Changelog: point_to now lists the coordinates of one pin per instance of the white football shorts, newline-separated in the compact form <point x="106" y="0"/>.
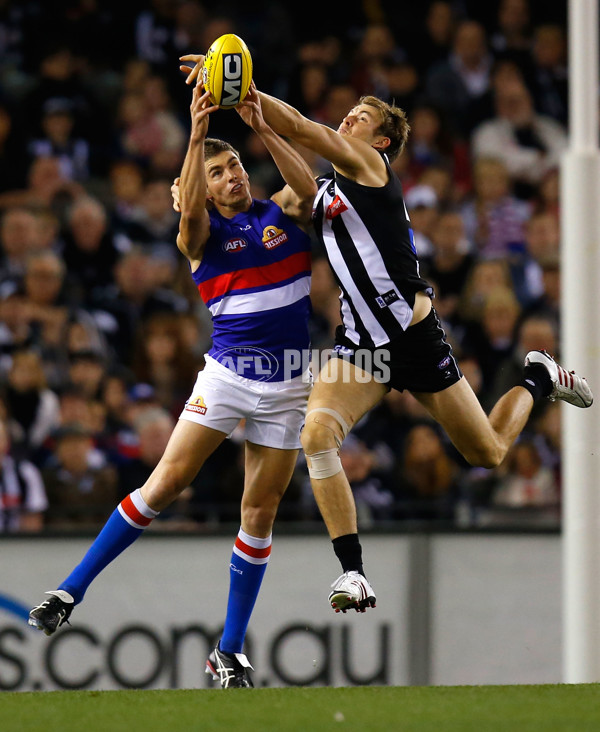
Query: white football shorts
<point x="274" y="410"/>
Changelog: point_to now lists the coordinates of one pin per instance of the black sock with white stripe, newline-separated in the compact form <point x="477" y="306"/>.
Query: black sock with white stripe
<point x="537" y="381"/>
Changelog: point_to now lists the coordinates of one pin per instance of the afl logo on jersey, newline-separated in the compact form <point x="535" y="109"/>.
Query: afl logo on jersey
<point x="335" y="208"/>
<point x="272" y="237"/>
<point x="234" y="245"/>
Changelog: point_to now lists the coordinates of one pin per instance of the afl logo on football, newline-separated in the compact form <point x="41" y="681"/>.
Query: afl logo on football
<point x="272" y="237"/>
<point x="234" y="245"/>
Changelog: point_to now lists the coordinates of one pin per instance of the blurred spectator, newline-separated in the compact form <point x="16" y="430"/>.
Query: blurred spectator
<point x="32" y="407"/>
<point x="548" y="303"/>
<point x="373" y="501"/>
<point x="399" y="84"/>
<point x="19" y="236"/>
<point x="59" y="77"/>
<point x="431" y="143"/>
<point x="162" y="360"/>
<point x="512" y="37"/>
<point x="550" y="90"/>
<point x="154" y="224"/>
<point x="449" y="265"/>
<point x="81" y="486"/>
<point x="307" y="88"/>
<point x="431" y="44"/>
<point x="133" y="296"/>
<point x="377" y="47"/>
<point x="421" y="204"/>
<point x="529" y="144"/>
<point x="428" y="479"/>
<point x="87" y="370"/>
<point x="484" y="276"/>
<point x="494" y="219"/>
<point x="153" y="428"/>
<point x="492" y="339"/>
<point x="460" y="84"/>
<point x="22" y="494"/>
<point x="46" y="187"/>
<point x="527" y="482"/>
<point x="534" y="333"/>
<point x="125" y="195"/>
<point x="59" y="141"/>
<point x="91" y="250"/>
<point x="169" y="158"/>
<point x="339" y="100"/>
<point x="439" y="178"/>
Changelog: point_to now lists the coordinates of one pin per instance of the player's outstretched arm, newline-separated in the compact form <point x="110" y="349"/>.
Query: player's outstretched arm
<point x="297" y="197"/>
<point x="350" y="156"/>
<point x="194" y="226"/>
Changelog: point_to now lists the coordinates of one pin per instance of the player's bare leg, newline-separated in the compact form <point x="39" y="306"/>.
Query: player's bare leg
<point x="340" y="397"/>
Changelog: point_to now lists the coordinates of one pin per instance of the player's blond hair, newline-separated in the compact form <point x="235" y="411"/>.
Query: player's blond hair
<point x="394" y="124"/>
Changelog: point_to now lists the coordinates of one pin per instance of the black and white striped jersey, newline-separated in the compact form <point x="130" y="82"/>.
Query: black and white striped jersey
<point x="369" y="243"/>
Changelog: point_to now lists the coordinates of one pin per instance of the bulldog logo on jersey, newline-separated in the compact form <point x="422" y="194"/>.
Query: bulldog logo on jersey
<point x="272" y="237"/>
<point x="335" y="208"/>
<point x="197" y="404"/>
<point x="234" y="245"/>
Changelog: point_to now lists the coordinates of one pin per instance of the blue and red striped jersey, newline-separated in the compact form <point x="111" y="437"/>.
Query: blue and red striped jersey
<point x="255" y="280"/>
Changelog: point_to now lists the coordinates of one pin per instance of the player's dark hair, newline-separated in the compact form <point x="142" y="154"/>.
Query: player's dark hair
<point x="214" y="147"/>
<point x="394" y="124"/>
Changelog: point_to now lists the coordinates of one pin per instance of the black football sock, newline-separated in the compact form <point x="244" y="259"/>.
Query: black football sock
<point x="537" y="381"/>
<point x="348" y="550"/>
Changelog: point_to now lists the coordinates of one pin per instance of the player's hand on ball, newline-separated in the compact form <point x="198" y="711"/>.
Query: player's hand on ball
<point x="250" y="109"/>
<point x="200" y="109"/>
<point x="193" y="71"/>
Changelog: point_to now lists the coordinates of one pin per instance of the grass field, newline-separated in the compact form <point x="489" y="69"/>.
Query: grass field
<point x="549" y="708"/>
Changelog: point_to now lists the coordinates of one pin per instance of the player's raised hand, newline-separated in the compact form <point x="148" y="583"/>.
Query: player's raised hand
<point x="200" y="109"/>
<point x="250" y="109"/>
<point x="192" y="71"/>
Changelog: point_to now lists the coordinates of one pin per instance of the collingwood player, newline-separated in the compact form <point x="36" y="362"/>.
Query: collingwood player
<point x="361" y="220"/>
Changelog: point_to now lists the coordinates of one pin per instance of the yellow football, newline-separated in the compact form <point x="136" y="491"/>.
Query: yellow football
<point x="227" y="71"/>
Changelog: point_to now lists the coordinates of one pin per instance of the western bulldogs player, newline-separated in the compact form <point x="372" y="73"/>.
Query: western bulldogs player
<point x="251" y="262"/>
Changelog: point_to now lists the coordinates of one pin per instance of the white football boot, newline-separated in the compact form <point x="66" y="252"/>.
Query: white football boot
<point x="351" y="591"/>
<point x="566" y="385"/>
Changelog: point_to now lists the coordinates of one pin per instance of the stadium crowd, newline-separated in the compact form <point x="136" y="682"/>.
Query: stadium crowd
<point x="101" y="330"/>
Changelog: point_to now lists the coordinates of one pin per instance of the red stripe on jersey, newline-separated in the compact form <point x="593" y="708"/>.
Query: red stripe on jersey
<point x="252" y="551"/>
<point x="242" y="279"/>
<point x="129" y="507"/>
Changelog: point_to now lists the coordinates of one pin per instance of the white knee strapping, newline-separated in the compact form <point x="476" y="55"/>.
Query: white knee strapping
<point x="324" y="464"/>
<point x="338" y="418"/>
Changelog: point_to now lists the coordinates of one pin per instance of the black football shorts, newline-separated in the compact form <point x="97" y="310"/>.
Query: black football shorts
<point x="419" y="360"/>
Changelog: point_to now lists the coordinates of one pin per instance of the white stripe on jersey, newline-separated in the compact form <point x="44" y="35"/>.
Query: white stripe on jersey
<point x="373" y="263"/>
<point x="348" y="320"/>
<point x="259" y="302"/>
<point x="378" y="334"/>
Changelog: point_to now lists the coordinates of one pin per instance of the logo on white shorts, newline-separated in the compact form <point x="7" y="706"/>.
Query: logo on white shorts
<point x="197" y="404"/>
<point x="249" y="362"/>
